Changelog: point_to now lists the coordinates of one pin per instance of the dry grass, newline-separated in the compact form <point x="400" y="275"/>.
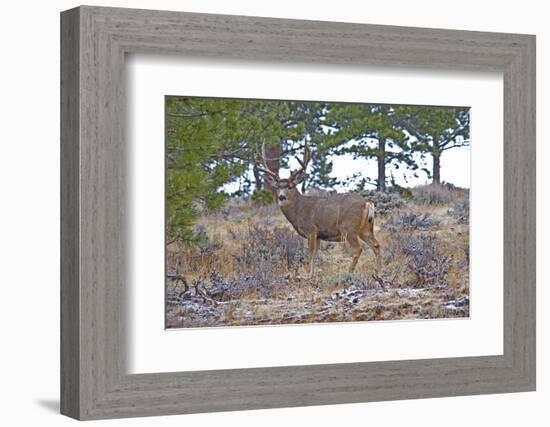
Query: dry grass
<point x="250" y="270"/>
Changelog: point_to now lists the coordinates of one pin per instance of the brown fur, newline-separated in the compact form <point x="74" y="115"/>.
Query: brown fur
<point x="332" y="218"/>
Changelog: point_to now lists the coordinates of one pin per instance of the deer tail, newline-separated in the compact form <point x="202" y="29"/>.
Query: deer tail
<point x="368" y="214"/>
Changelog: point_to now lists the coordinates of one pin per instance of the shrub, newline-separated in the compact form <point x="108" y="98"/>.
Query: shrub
<point x="278" y="246"/>
<point x="433" y="194"/>
<point x="404" y="192"/>
<point x="262" y="197"/>
<point x="292" y="248"/>
<point x="384" y="202"/>
<point x="347" y="280"/>
<point x="410" y="221"/>
<point x="426" y="261"/>
<point x="461" y="210"/>
<point x="257" y="282"/>
<point x="201" y="235"/>
<point x="263" y="282"/>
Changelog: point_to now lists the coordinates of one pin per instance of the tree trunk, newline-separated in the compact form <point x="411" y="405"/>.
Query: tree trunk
<point x="436" y="168"/>
<point x="257" y="178"/>
<point x="381" y="183"/>
<point x="272" y="161"/>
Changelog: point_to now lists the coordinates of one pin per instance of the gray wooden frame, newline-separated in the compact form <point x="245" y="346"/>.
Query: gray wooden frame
<point x="94" y="382"/>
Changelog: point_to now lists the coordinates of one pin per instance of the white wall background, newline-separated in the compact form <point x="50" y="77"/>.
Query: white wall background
<point x="29" y="224"/>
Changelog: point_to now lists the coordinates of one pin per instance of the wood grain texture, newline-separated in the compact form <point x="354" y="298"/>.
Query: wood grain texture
<point x="94" y="267"/>
<point x="70" y="292"/>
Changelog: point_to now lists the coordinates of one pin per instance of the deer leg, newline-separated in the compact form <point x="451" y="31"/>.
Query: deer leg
<point x="371" y="241"/>
<point x="357" y="250"/>
<point x="313" y="245"/>
<point x="316" y="242"/>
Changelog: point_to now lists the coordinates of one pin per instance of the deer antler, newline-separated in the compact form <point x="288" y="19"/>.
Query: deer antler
<point x="263" y="166"/>
<point x="304" y="162"/>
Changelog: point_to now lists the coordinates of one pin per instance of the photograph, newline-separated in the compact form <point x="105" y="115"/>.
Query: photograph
<point x="293" y="212"/>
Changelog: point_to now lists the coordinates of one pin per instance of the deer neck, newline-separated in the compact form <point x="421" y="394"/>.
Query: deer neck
<point x="291" y="210"/>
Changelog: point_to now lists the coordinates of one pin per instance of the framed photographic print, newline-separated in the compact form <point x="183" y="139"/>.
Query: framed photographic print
<point x="233" y="256"/>
<point x="261" y="213"/>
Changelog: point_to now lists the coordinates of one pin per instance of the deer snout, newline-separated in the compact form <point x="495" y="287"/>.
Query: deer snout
<point x="282" y="198"/>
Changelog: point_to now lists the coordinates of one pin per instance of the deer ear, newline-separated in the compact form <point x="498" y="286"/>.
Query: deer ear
<point x="299" y="177"/>
<point x="274" y="183"/>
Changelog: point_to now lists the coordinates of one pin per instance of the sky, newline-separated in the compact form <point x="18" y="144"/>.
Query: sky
<point x="455" y="169"/>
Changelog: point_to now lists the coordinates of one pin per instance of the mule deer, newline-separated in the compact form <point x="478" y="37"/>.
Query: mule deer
<point x="339" y="217"/>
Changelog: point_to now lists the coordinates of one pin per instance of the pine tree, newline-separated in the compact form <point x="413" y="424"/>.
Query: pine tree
<point x="436" y="130"/>
<point x="368" y="131"/>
